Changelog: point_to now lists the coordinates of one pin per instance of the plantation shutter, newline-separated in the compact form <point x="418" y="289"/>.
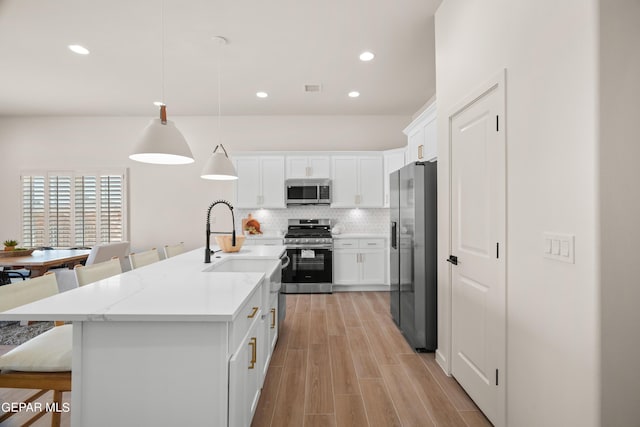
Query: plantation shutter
<point x="111" y="208"/>
<point x="73" y="209"/>
<point x="86" y="211"/>
<point x="60" y="218"/>
<point x="33" y="211"/>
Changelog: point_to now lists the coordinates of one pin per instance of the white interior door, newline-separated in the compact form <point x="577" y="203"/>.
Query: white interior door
<point x="477" y="240"/>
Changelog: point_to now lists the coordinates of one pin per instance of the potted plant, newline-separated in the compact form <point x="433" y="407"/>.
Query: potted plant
<point x="10" y="245"/>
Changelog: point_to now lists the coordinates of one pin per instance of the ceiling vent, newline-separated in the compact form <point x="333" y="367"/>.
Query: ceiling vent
<point x="313" y="88"/>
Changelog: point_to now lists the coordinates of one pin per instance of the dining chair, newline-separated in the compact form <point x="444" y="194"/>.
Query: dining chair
<point x="42" y="363"/>
<point x="99" y="253"/>
<point x="173" y="250"/>
<point x="92" y="273"/>
<point x="141" y="259"/>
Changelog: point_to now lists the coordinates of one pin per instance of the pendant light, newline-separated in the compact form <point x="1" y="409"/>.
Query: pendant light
<point x="219" y="166"/>
<point x="161" y="141"/>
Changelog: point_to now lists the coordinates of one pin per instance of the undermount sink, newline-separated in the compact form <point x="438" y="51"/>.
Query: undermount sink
<point x="270" y="267"/>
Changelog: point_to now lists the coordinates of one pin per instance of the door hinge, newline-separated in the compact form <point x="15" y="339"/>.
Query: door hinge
<point x="497" y="250"/>
<point x="496" y="377"/>
<point x="497" y="123"/>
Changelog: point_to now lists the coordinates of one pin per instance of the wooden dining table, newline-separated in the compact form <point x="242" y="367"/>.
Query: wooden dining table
<point x="42" y="260"/>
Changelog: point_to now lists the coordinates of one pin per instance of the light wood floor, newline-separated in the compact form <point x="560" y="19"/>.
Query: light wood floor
<point x="341" y="361"/>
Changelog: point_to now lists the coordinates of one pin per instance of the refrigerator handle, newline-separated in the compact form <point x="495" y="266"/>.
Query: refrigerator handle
<point x="394" y="235"/>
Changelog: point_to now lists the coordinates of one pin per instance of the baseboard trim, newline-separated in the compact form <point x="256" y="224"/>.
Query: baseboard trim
<point x="442" y="362"/>
<point x="357" y="288"/>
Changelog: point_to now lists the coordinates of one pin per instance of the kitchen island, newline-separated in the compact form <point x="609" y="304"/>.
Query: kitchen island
<point x="175" y="342"/>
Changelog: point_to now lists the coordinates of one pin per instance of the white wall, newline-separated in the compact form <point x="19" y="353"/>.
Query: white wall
<point x="549" y="50"/>
<point x="168" y="203"/>
<point x="620" y="210"/>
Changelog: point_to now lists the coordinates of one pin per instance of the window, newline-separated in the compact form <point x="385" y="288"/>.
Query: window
<point x="72" y="209"/>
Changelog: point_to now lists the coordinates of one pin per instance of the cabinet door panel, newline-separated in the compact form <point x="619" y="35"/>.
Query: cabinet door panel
<point x="416" y="138"/>
<point x="346" y="268"/>
<point x="272" y="182"/>
<point x="371" y="182"/>
<point x="345" y="182"/>
<point x="393" y="161"/>
<point x="245" y="377"/>
<point x="430" y="140"/>
<point x="297" y="167"/>
<point x="320" y="167"/>
<point x="248" y="185"/>
<point x="373" y="266"/>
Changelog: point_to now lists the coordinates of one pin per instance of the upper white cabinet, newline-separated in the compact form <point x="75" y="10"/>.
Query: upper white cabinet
<point x="308" y="167"/>
<point x="357" y="182"/>
<point x="393" y="160"/>
<point x="260" y="182"/>
<point x="422" y="134"/>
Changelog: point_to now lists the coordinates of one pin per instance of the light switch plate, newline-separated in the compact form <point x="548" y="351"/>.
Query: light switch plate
<point x="559" y="247"/>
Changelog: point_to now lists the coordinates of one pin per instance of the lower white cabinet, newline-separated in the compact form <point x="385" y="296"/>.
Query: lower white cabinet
<point x="245" y="374"/>
<point x="269" y="325"/>
<point x="359" y="261"/>
<point x="267" y="241"/>
<point x="273" y="323"/>
<point x="252" y="339"/>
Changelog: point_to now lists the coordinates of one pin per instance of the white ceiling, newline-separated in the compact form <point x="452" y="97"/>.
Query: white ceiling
<point x="277" y="46"/>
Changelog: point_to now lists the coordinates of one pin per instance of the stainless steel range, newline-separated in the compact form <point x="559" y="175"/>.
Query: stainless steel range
<point x="310" y="249"/>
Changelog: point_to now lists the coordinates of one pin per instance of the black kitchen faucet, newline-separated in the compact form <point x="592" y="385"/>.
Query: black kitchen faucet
<point x="207" y="250"/>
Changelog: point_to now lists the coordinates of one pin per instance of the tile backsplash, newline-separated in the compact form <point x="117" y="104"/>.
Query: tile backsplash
<point x="274" y="221"/>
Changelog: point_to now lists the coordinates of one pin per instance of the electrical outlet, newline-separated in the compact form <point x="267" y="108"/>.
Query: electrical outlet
<point x="559" y="247"/>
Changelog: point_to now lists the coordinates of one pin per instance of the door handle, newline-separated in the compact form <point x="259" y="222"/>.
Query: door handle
<point x="453" y="259"/>
<point x="394" y="237"/>
<point x="253" y="342"/>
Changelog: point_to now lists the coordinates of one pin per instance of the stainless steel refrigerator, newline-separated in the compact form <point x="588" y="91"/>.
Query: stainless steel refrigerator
<point x="413" y="253"/>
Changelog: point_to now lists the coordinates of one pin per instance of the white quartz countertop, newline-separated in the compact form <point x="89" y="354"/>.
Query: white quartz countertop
<point x="359" y="236"/>
<point x="175" y="289"/>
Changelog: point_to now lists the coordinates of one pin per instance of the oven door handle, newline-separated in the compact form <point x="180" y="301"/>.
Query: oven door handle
<point x="324" y="248"/>
<point x="285" y="265"/>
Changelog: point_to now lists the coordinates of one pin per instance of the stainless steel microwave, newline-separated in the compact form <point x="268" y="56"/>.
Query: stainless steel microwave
<point x="308" y="191"/>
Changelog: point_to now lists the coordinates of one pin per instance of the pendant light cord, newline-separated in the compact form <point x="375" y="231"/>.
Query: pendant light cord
<point x="219" y="94"/>
<point x="162" y="54"/>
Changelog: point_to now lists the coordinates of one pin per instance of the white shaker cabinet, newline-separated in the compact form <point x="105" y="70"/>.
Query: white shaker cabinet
<point x="359" y="261"/>
<point x="245" y="374"/>
<point x="422" y="137"/>
<point x="393" y="160"/>
<point x="260" y="182"/>
<point x="357" y="182"/>
<point x="308" y="167"/>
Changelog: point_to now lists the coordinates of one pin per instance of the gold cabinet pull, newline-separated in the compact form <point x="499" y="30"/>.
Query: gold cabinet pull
<point x="253" y="342"/>
<point x="253" y="313"/>
<point x="273" y="318"/>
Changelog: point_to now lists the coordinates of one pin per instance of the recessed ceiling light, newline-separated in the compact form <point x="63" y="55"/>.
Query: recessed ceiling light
<point x="158" y="103"/>
<point x="367" y="56"/>
<point x="80" y="50"/>
<point x="354" y="94"/>
<point x="262" y="94"/>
